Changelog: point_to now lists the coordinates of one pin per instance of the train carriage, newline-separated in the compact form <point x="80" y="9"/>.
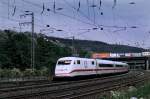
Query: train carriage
<point x="75" y="66"/>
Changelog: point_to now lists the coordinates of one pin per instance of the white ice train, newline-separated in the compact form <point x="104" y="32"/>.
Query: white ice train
<point x="75" y="66"/>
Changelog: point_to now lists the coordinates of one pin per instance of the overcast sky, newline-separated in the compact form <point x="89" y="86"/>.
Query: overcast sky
<point x="123" y="22"/>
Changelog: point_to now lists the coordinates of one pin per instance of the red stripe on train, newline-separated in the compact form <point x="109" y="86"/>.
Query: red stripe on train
<point x="79" y="70"/>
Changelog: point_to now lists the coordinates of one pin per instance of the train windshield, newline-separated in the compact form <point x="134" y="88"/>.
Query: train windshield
<point x="64" y="62"/>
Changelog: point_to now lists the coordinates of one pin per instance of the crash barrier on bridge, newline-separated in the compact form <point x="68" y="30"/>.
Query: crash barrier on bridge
<point x="111" y="55"/>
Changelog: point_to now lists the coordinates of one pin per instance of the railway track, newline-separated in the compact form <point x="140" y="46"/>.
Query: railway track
<point x="88" y="92"/>
<point x="13" y="84"/>
<point x="72" y="89"/>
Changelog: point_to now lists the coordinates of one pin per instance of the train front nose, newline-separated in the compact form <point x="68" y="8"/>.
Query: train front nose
<point x="63" y="68"/>
<point x="62" y="71"/>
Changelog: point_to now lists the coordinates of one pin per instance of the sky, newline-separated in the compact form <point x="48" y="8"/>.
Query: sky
<point x="124" y="22"/>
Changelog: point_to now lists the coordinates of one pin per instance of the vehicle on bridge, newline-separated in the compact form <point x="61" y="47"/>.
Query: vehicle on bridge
<point x="75" y="66"/>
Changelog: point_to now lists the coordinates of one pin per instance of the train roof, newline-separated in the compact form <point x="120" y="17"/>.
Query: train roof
<point x="98" y="60"/>
<point x="110" y="62"/>
<point x="73" y="58"/>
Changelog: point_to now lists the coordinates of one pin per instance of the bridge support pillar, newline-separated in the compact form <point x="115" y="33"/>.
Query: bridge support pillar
<point x="147" y="64"/>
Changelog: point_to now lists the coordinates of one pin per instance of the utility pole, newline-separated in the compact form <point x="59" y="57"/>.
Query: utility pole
<point x="33" y="45"/>
<point x="72" y="45"/>
<point x="73" y="49"/>
<point x="30" y="13"/>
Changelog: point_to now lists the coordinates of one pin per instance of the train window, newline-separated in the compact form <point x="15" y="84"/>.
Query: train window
<point x="99" y="65"/>
<point x="119" y="65"/>
<point x="92" y="62"/>
<point x="64" y="62"/>
<point x="106" y="65"/>
<point x="78" y="61"/>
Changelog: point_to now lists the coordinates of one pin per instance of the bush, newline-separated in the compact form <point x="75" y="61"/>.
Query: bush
<point x="28" y="73"/>
<point x="44" y="71"/>
<point x="37" y="72"/>
<point x="6" y="73"/>
<point x="1" y="72"/>
<point x="133" y="93"/>
<point x="15" y="73"/>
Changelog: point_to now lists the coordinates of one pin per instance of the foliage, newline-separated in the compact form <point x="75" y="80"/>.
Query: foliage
<point x="44" y="71"/>
<point x="5" y="73"/>
<point x="15" y="51"/>
<point x="28" y="73"/>
<point x="98" y="46"/>
<point x="16" y="73"/>
<point x="1" y="72"/>
<point x="133" y="93"/>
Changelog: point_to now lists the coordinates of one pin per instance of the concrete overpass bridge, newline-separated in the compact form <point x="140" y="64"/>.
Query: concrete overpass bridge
<point x="134" y="62"/>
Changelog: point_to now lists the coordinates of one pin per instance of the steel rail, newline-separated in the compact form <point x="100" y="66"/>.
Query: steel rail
<point x="19" y="83"/>
<point x="50" y="84"/>
<point x="79" y="84"/>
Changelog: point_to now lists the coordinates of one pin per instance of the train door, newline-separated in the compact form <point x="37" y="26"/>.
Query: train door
<point x="85" y="65"/>
<point x="115" y="67"/>
<point x="96" y="67"/>
<point x="85" y="68"/>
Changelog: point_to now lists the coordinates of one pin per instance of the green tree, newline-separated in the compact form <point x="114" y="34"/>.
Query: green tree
<point x="15" y="51"/>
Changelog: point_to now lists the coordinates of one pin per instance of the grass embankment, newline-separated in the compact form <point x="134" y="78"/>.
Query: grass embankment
<point x="141" y="92"/>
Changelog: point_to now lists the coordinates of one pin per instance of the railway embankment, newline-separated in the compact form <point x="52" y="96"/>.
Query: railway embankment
<point x="139" y="91"/>
<point x="81" y="89"/>
<point x="132" y="92"/>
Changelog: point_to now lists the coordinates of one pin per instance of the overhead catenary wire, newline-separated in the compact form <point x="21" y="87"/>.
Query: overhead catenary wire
<point x="114" y="4"/>
<point x="59" y="13"/>
<point x="11" y="19"/>
<point x="87" y="1"/>
<point x="43" y="8"/>
<point x="123" y="28"/>
<point x="8" y="9"/>
<point x="14" y="10"/>
<point x="54" y="7"/>
<point x="71" y="17"/>
<point x="96" y="24"/>
<point x="94" y="11"/>
<point x="103" y="25"/>
<point x="100" y="7"/>
<point x="100" y="4"/>
<point x="19" y="20"/>
<point x="91" y="23"/>
<point x="79" y="5"/>
<point x="81" y="13"/>
<point x="16" y="20"/>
